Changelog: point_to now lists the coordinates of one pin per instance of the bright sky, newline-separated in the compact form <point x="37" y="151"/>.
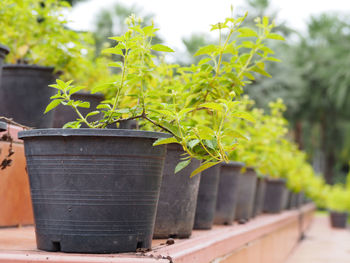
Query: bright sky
<point x="179" y="18"/>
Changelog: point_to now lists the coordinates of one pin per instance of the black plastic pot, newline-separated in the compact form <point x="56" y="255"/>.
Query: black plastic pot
<point x="291" y="201"/>
<point x="259" y="196"/>
<point x="64" y="114"/>
<point x="246" y="195"/>
<point x="228" y="191"/>
<point x="93" y="191"/>
<point x="3" y="52"/>
<point x="275" y="195"/>
<point x="338" y="219"/>
<point x="3" y="126"/>
<point x="178" y="197"/>
<point x="206" y="200"/>
<point x="24" y="94"/>
<point x="300" y="198"/>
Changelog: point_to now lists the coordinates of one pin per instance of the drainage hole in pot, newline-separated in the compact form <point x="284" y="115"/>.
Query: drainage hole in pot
<point x="56" y="246"/>
<point x="139" y="245"/>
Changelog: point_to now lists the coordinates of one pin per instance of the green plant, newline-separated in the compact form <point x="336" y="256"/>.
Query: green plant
<point x="338" y="199"/>
<point x="193" y="104"/>
<point x="36" y="33"/>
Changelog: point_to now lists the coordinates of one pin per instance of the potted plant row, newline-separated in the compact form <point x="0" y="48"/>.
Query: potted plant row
<point x="41" y="48"/>
<point x="85" y="203"/>
<point x="338" y="203"/>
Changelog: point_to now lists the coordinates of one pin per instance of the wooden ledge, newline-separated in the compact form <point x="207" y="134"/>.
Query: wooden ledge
<point x="17" y="245"/>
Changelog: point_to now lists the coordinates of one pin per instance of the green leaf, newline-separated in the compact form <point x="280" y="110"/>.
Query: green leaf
<point x="53" y="104"/>
<point x="117" y="64"/>
<point x="247" y="32"/>
<point x="265" y="21"/>
<point x="275" y="36"/>
<point x="92" y="113"/>
<point x="244" y="115"/>
<point x="72" y="124"/>
<point x="207" y="50"/>
<point x="184" y="111"/>
<point x="167" y="113"/>
<point x="212" y="105"/>
<point x="203" y="167"/>
<point x="161" y="141"/>
<point x="84" y="104"/>
<point x="235" y="134"/>
<point x="273" y="59"/>
<point x="117" y="38"/>
<point x="172" y="128"/>
<point x="205" y="132"/>
<point x="248" y="44"/>
<point x="75" y="89"/>
<point x="261" y="71"/>
<point x="204" y="61"/>
<point x="182" y="165"/>
<point x="113" y="50"/>
<point x="162" y="48"/>
<point x="104" y="106"/>
<point x="193" y="143"/>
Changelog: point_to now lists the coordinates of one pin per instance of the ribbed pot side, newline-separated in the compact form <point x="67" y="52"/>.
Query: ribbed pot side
<point x="3" y="52"/>
<point x="227" y="193"/>
<point x="275" y="195"/>
<point x="259" y="196"/>
<point x="24" y="94"/>
<point x="93" y="191"/>
<point x="246" y="195"/>
<point x="338" y="219"/>
<point x="207" y="195"/>
<point x="178" y="197"/>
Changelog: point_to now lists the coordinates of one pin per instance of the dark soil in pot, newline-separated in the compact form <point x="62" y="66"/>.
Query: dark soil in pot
<point x="94" y="191"/>
<point x="207" y="195"/>
<point x="338" y="219"/>
<point x="275" y="195"/>
<point x="178" y="197"/>
<point x="24" y="94"/>
<point x="259" y="196"/>
<point x="230" y="174"/>
<point x="64" y="114"/>
<point x="246" y="194"/>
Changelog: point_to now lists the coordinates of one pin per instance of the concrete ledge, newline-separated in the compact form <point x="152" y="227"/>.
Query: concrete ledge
<point x="265" y="239"/>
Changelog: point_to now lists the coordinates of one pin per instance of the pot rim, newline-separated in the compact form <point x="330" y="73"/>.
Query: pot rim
<point x="276" y="180"/>
<point x="28" y="66"/>
<point x="4" y="49"/>
<point x="87" y="132"/>
<point x="234" y="164"/>
<point x="3" y="126"/>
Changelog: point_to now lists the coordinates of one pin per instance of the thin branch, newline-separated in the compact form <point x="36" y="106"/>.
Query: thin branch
<point x="10" y="121"/>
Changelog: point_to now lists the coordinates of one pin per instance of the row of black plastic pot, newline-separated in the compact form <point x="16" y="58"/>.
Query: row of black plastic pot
<point x="24" y="95"/>
<point x="106" y="191"/>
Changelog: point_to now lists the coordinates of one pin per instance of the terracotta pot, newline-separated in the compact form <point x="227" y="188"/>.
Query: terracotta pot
<point x="15" y="204"/>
